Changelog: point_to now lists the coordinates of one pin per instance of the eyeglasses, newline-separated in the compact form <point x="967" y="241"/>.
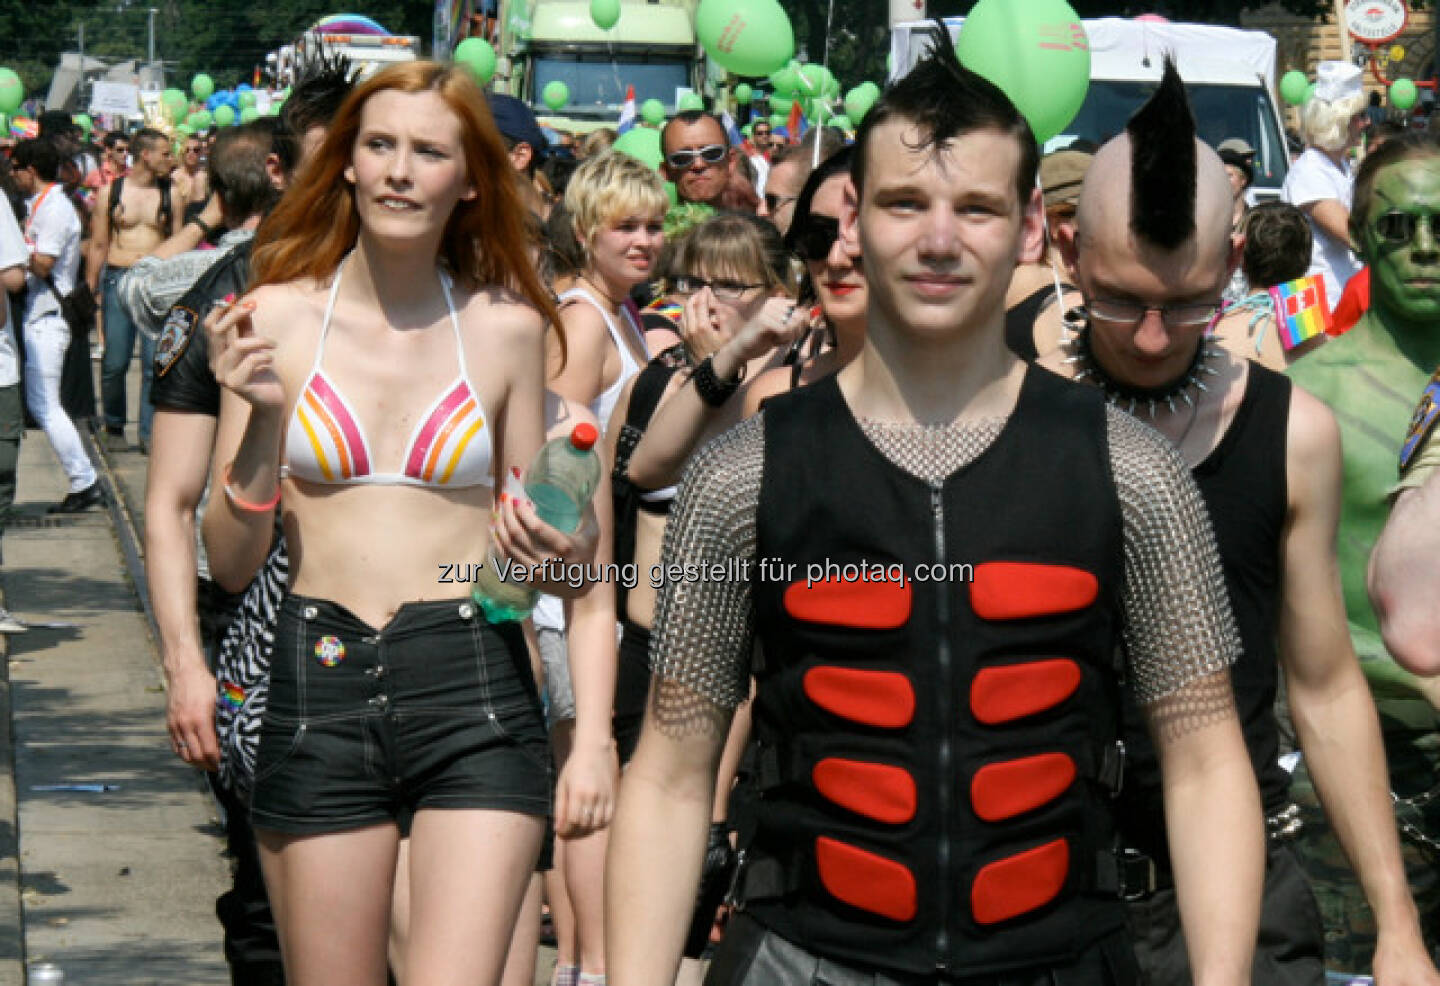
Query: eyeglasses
<point x="1400" y="227"/>
<point x="710" y="154"/>
<point x="724" y="289"/>
<point x="813" y="239"/>
<point x="1132" y="314"/>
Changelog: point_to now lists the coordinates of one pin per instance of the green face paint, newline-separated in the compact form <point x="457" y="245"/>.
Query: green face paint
<point x="1401" y="241"/>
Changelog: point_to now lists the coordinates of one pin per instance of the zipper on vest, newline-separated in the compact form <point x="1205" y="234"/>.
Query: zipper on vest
<point x="942" y="612"/>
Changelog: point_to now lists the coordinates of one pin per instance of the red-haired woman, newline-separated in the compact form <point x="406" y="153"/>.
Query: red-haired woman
<point x="383" y="375"/>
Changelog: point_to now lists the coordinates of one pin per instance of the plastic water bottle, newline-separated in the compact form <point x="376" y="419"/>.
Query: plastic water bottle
<point x="559" y="483"/>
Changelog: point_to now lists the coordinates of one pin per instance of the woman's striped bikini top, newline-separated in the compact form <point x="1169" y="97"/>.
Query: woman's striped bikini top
<point x="450" y="447"/>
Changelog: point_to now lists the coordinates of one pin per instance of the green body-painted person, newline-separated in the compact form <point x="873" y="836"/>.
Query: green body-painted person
<point x="1371" y="378"/>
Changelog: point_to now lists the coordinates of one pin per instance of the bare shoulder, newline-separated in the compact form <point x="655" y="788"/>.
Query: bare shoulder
<point x="763" y="387"/>
<point x="289" y="313"/>
<point x="498" y="315"/>
<point x="1312" y="435"/>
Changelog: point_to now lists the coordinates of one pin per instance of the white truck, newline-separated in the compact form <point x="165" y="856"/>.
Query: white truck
<point x="369" y="52"/>
<point x="1229" y="74"/>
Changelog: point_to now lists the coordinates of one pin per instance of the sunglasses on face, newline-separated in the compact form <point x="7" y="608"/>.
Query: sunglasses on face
<point x="1400" y="227"/>
<point x="710" y="154"/>
<point x="814" y="239"/>
<point x="723" y="288"/>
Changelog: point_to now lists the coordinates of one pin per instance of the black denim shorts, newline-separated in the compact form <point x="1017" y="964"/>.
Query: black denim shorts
<point x="438" y="710"/>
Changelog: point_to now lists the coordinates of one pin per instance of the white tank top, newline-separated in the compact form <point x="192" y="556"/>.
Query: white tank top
<point x="549" y="612"/>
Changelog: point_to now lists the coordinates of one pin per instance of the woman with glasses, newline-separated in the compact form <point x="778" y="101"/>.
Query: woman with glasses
<point x="733" y="268"/>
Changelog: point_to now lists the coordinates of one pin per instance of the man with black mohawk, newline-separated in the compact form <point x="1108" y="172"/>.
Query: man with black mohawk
<point x="942" y="630"/>
<point x="1153" y="253"/>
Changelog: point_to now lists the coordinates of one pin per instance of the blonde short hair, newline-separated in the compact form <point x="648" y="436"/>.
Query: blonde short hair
<point x="609" y="187"/>
<point x="1326" y="124"/>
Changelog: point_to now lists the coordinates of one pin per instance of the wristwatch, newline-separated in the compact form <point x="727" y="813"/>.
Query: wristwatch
<point x="711" y="388"/>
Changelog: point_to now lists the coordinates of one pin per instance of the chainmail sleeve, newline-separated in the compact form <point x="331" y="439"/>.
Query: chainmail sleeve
<point x="1179" y="629"/>
<point x="704" y="628"/>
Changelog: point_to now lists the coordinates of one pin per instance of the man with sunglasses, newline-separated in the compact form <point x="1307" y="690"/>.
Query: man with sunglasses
<point x="760" y="137"/>
<point x="1371" y="378"/>
<point x="697" y="157"/>
<point x="1152" y="252"/>
<point x="935" y="795"/>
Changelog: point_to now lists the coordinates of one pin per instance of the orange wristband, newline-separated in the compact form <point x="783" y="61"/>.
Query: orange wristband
<point x="240" y="503"/>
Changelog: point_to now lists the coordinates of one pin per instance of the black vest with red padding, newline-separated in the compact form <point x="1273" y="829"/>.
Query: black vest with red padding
<point x="935" y="738"/>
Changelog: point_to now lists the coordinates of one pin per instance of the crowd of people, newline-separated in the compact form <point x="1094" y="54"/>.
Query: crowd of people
<point x="995" y="551"/>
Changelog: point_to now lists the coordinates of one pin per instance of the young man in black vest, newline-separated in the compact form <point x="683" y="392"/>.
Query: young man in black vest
<point x="952" y="558"/>
<point x="1153" y="254"/>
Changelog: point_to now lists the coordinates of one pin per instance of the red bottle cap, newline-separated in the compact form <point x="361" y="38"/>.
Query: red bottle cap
<point x="584" y="437"/>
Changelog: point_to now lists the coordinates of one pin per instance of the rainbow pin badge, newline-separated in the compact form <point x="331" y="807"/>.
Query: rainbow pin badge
<point x="329" y="650"/>
<point x="232" y="694"/>
<point x="1301" y="312"/>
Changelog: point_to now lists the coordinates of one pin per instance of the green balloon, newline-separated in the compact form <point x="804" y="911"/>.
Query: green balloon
<point x="85" y="123"/>
<point x="224" y="115"/>
<point x="643" y="144"/>
<point x="778" y="120"/>
<point x="784" y="81"/>
<point x="1293" y="85"/>
<point x="748" y="37"/>
<point x="1036" y="52"/>
<point x="249" y="114"/>
<point x="781" y="105"/>
<point x="605" y="13"/>
<point x="652" y="111"/>
<point x="12" y="91"/>
<point x="184" y="128"/>
<point x="246" y="99"/>
<point x="857" y="103"/>
<point x="201" y="119"/>
<point x="843" y="122"/>
<point x="202" y="86"/>
<point x="690" y="101"/>
<point x="1403" y="94"/>
<point x="743" y="94"/>
<point x="477" y="56"/>
<point x="556" y="95"/>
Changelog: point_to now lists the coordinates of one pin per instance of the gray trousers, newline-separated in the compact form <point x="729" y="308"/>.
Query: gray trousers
<point x="12" y="428"/>
<point x="753" y="955"/>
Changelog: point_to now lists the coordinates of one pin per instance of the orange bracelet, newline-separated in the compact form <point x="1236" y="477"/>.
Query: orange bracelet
<point x="240" y="503"/>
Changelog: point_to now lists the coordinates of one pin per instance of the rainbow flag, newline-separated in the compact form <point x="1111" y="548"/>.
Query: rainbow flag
<point x="1300" y="310"/>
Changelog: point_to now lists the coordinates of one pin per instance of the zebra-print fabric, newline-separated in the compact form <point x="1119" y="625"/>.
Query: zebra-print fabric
<point x="242" y="672"/>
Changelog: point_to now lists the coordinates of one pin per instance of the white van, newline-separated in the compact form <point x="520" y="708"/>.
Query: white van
<point x="1229" y="74"/>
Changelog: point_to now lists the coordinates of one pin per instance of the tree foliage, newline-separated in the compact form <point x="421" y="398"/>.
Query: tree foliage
<point x="226" y="38"/>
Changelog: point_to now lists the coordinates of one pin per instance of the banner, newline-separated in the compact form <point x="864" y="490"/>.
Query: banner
<point x="119" y="98"/>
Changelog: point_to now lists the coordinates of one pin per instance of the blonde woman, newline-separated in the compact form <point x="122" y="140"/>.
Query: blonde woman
<point x="1332" y="123"/>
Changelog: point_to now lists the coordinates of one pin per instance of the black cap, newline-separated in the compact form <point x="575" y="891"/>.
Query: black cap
<point x="1244" y="162"/>
<point x="517" y="121"/>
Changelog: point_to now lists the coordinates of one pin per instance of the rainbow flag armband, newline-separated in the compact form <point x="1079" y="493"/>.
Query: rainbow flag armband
<point x="1301" y="311"/>
<point x="1421" y="422"/>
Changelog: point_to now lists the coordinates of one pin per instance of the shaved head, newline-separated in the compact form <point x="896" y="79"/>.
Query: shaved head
<point x="1106" y="211"/>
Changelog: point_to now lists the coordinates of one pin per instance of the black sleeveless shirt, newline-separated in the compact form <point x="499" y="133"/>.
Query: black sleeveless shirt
<point x="1020" y="321"/>
<point x="1244" y="486"/>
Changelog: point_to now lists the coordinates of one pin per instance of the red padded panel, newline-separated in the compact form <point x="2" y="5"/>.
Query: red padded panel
<point x="1014" y="590"/>
<point x="1013" y="691"/>
<point x="865" y="880"/>
<point x="1019" y="884"/>
<point x="872" y="698"/>
<point x="875" y="790"/>
<point x="842" y="603"/>
<point x="1003" y="790"/>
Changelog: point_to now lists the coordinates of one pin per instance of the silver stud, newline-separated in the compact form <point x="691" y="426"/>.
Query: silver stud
<point x="466" y="611"/>
<point x="311" y="612"/>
